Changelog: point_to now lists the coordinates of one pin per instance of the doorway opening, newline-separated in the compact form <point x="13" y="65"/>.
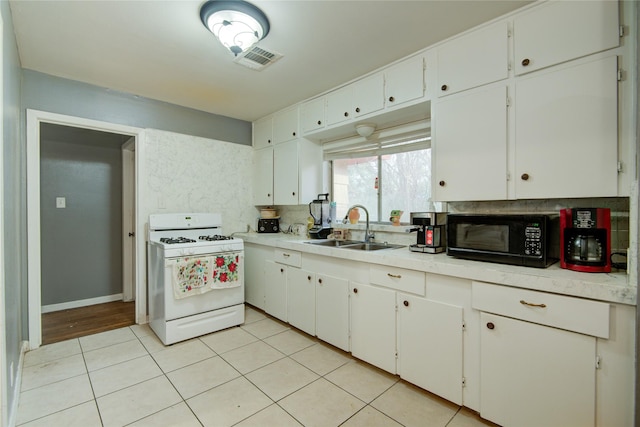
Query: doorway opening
<point x="81" y="199"/>
<point x="82" y="195"/>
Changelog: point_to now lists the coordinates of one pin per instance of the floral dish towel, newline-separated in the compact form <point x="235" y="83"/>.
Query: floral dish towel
<point x="191" y="276"/>
<point x="227" y="270"/>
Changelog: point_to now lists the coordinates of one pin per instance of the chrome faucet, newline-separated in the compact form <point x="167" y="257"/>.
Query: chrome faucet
<point x="367" y="234"/>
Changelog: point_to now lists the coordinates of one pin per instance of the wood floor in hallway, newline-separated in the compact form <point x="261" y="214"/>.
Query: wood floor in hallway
<point x="78" y="322"/>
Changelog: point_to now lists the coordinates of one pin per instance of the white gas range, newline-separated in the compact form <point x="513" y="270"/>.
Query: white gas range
<point x="196" y="276"/>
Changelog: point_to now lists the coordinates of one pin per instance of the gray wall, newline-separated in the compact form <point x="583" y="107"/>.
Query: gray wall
<point x="14" y="199"/>
<point x="82" y="243"/>
<point x="57" y="95"/>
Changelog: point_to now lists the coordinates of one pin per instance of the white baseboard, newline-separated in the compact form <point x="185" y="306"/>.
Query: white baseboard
<point x="80" y="303"/>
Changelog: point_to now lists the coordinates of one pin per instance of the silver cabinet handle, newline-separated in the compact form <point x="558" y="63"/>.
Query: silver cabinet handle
<point x="531" y="304"/>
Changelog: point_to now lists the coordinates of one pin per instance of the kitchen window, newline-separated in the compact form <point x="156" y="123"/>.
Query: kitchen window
<point x="389" y="171"/>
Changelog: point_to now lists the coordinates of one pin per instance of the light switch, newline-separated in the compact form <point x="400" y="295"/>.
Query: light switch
<point x="61" y="202"/>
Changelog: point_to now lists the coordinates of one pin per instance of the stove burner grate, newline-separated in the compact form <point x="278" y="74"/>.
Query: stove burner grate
<point x="215" y="237"/>
<point x="174" y="240"/>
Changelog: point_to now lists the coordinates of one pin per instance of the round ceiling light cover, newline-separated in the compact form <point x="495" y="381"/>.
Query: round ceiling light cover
<point x="238" y="25"/>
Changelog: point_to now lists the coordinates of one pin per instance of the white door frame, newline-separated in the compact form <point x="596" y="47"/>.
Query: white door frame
<point x="128" y="220"/>
<point x="34" y="267"/>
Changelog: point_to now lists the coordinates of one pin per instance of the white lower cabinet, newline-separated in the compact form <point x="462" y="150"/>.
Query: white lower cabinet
<point x="536" y="375"/>
<point x="373" y="325"/>
<point x="430" y="345"/>
<point x="254" y="274"/>
<point x="301" y="300"/>
<point x="275" y="289"/>
<point x="332" y="310"/>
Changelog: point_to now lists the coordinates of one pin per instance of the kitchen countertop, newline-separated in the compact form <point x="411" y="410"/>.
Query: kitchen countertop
<point x="609" y="287"/>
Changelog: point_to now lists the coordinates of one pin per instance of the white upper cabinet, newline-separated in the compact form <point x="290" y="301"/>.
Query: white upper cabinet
<point x="339" y="106"/>
<point x="404" y="82"/>
<point x="473" y="60"/>
<point x="263" y="132"/>
<point x="285" y="125"/>
<point x="566" y="126"/>
<point x="368" y="95"/>
<point x="560" y="31"/>
<point x="263" y="176"/>
<point x="312" y="115"/>
<point x="470" y="146"/>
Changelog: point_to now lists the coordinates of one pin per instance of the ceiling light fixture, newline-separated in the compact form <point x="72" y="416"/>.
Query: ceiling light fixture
<point x="365" y="129"/>
<point x="238" y="25"/>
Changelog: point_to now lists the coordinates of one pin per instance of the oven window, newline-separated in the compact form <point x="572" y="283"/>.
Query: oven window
<point x="494" y="238"/>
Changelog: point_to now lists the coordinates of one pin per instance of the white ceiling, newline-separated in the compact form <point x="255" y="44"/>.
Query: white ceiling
<point x="159" y="49"/>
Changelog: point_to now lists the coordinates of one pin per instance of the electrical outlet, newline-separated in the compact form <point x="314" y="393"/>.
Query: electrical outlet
<point x="61" y="202"/>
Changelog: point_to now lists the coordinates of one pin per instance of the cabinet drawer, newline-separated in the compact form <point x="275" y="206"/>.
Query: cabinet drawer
<point x="398" y="278"/>
<point x="284" y="256"/>
<point x="573" y="314"/>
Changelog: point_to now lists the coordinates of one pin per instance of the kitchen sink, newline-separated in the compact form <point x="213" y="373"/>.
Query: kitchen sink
<point x="354" y="244"/>
<point x="373" y="246"/>
<point x="333" y="243"/>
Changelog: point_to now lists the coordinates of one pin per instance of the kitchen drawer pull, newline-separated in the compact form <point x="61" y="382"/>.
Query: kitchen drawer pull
<point x="524" y="177"/>
<point x="346" y="114"/>
<point x="309" y="278"/>
<point x="319" y="122"/>
<point x="442" y="183"/>
<point x="320" y="281"/>
<point x="395" y="276"/>
<point x="531" y="304"/>
<point x="406" y="303"/>
<point x="490" y="325"/>
<point x="293" y="134"/>
<point x="282" y="270"/>
<point x="355" y="290"/>
<point x="444" y="87"/>
<point x="391" y="99"/>
<point x="357" y="109"/>
<point x="286" y="255"/>
<point x="525" y="62"/>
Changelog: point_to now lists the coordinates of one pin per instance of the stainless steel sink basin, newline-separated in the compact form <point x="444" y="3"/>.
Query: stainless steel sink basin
<point x="373" y="246"/>
<point x="333" y="243"/>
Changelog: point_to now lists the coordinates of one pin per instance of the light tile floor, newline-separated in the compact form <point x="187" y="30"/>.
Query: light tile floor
<point x="263" y="373"/>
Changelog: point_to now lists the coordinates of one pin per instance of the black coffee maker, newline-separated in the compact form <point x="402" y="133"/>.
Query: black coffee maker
<point x="319" y="211"/>
<point x="430" y="227"/>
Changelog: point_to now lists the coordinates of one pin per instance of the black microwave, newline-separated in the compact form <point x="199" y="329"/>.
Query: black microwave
<point x="531" y="240"/>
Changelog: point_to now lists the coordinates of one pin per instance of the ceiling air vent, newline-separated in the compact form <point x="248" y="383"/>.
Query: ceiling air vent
<point x="257" y="58"/>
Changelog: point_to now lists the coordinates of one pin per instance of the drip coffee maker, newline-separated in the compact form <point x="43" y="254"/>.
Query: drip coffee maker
<point x="585" y="239"/>
<point x="319" y="210"/>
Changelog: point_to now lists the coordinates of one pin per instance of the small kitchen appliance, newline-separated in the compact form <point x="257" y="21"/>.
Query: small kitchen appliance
<point x="585" y="239"/>
<point x="430" y="227"/>
<point x="319" y="210"/>
<point x="530" y="240"/>
<point x="195" y="276"/>
<point x="268" y="225"/>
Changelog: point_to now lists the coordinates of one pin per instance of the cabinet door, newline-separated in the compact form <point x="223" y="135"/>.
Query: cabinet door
<point x="473" y="60"/>
<point x="563" y="30"/>
<point x="368" y="95"/>
<point x="535" y="375"/>
<point x="373" y="325"/>
<point x="301" y="300"/>
<point x="285" y="173"/>
<point x="339" y="105"/>
<point x="332" y="310"/>
<point x="262" y="132"/>
<point x="254" y="276"/>
<point x="263" y="176"/>
<point x="285" y="125"/>
<point x="312" y="115"/>
<point x="566" y="125"/>
<point x="275" y="290"/>
<point x="430" y="345"/>
<point x="404" y="82"/>
<point x="470" y="146"/>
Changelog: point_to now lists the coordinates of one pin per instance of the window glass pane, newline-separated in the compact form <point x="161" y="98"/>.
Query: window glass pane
<point x="405" y="183"/>
<point x="354" y="183"/>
